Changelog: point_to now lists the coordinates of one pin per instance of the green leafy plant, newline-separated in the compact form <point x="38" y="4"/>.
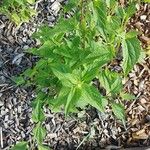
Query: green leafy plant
<point x="17" y="10"/>
<point x="20" y="146"/>
<point x="75" y="53"/>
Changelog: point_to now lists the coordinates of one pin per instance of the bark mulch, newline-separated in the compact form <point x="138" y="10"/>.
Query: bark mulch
<point x="88" y="129"/>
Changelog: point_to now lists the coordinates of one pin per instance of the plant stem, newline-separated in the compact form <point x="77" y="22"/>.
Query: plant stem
<point x="82" y="22"/>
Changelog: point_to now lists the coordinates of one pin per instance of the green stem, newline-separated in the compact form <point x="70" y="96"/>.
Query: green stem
<point x="82" y="23"/>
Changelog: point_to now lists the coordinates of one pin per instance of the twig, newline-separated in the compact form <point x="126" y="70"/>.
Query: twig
<point x="1" y="137"/>
<point x="6" y="89"/>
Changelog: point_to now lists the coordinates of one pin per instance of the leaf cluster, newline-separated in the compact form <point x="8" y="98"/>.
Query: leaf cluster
<point x="17" y="10"/>
<point x="76" y="52"/>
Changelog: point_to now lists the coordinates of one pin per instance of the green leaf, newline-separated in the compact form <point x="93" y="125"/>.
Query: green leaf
<point x="90" y="74"/>
<point x="31" y="1"/>
<point x="71" y="4"/>
<point x="113" y="25"/>
<point x="120" y="12"/>
<point x="100" y="12"/>
<point x="92" y="96"/>
<point x="111" y="3"/>
<point x="127" y="96"/>
<point x="111" y="81"/>
<point x="99" y="52"/>
<point x="15" y="18"/>
<point x="73" y="97"/>
<point x="146" y="1"/>
<point x="130" y="10"/>
<point x="46" y="33"/>
<point x="39" y="133"/>
<point x="37" y="114"/>
<point x="46" y="50"/>
<point x="19" y="2"/>
<point x="62" y="72"/>
<point x="18" y="80"/>
<point x="61" y="99"/>
<point x="119" y="111"/>
<point x="69" y="100"/>
<point x="131" y="52"/>
<point x="24" y="15"/>
<point x="131" y="34"/>
<point x="20" y="146"/>
<point x="63" y="51"/>
<point x="41" y="147"/>
<point x="142" y="57"/>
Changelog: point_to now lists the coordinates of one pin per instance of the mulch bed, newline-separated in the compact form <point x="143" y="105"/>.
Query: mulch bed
<point x="89" y="129"/>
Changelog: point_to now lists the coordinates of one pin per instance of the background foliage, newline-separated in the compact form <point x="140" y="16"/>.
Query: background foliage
<point x="17" y="10"/>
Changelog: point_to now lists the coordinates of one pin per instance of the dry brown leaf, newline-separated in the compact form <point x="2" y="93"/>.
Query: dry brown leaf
<point x="145" y="39"/>
<point x="141" y="134"/>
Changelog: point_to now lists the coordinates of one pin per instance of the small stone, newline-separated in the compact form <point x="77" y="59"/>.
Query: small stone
<point x="26" y="47"/>
<point x="48" y="127"/>
<point x="29" y="41"/>
<point x="2" y="79"/>
<point x="52" y="135"/>
<point x="2" y="25"/>
<point x="55" y="7"/>
<point x="19" y="109"/>
<point x="17" y="59"/>
<point x="11" y="39"/>
<point x="148" y="118"/>
<point x="9" y="106"/>
<point x="1" y="94"/>
<point x="3" y="112"/>
<point x="6" y="118"/>
<point x="143" y="101"/>
<point x="24" y="39"/>
<point x="22" y="134"/>
<point x="143" y="17"/>
<point x="1" y="103"/>
<point x="1" y="63"/>
<point x="137" y="6"/>
<point x="14" y="101"/>
<point x="51" y="18"/>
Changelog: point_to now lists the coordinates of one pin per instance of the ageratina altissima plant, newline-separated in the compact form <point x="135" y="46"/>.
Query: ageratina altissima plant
<point x="77" y="51"/>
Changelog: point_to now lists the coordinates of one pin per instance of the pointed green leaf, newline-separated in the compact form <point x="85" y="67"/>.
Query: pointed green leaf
<point x="15" y="18"/>
<point x="92" y="96"/>
<point x="73" y="97"/>
<point x="39" y="133"/>
<point x="111" y="3"/>
<point x="47" y="33"/>
<point x="41" y="147"/>
<point x="63" y="73"/>
<point x="130" y="10"/>
<point x="61" y="99"/>
<point x="111" y="81"/>
<point x="90" y="74"/>
<point x="20" y="146"/>
<point x="18" y="80"/>
<point x="71" y="4"/>
<point x="31" y="1"/>
<point x="46" y="50"/>
<point x="119" y="111"/>
<point x="131" y="52"/>
<point x="37" y="114"/>
<point x="146" y="1"/>
<point x="127" y="96"/>
<point x="131" y="34"/>
<point x="100" y="13"/>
